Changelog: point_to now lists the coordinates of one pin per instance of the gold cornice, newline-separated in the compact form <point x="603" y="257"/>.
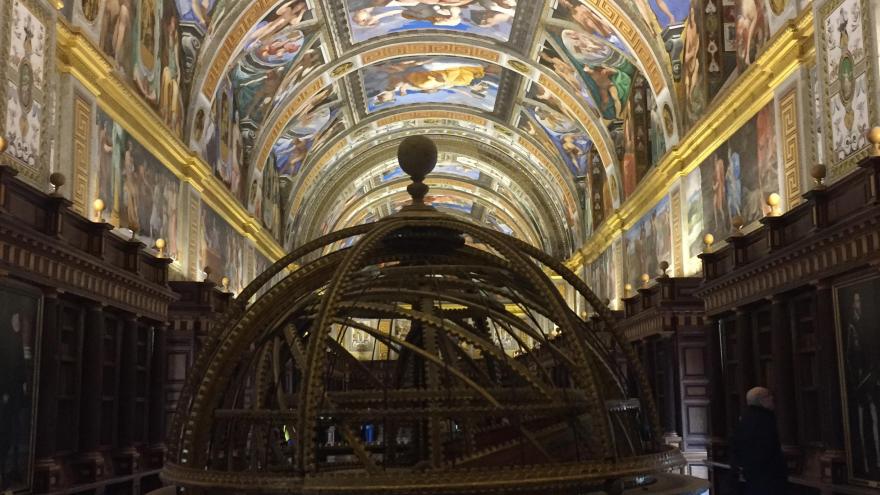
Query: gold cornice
<point x="80" y="58"/>
<point x="791" y="47"/>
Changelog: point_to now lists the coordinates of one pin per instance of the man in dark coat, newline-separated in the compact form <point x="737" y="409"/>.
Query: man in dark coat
<point x="755" y="447"/>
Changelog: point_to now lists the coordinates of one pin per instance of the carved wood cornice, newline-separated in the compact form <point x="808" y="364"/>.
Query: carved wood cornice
<point x="43" y="242"/>
<point x="837" y="230"/>
<point x="41" y="259"/>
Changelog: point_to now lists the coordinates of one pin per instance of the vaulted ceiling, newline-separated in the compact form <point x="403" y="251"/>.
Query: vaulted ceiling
<point x="523" y="97"/>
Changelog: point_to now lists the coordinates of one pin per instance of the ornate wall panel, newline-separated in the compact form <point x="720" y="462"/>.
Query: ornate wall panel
<point x="848" y="78"/>
<point x="677" y="264"/>
<point x="82" y="145"/>
<point x="27" y="39"/>
<point x="790" y="122"/>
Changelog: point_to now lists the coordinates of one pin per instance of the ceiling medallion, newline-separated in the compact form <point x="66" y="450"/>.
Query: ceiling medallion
<point x="341" y="69"/>
<point x="519" y="66"/>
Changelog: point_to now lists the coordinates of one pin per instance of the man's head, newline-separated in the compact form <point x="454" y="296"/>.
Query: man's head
<point x="761" y="397"/>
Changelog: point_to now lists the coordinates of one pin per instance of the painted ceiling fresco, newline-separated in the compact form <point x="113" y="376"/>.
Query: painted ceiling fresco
<point x="278" y="97"/>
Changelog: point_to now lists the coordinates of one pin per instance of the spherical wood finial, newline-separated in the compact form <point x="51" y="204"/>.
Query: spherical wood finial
<point x="160" y="246"/>
<point x="664" y="267"/>
<point x="874" y="139"/>
<point x="57" y="179"/>
<point x="98" y="206"/>
<point x="708" y="240"/>
<point x="818" y="173"/>
<point x="417" y="156"/>
<point x="737" y="222"/>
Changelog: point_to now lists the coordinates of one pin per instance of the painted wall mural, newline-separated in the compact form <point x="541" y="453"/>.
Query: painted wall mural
<point x="600" y="276"/>
<point x="144" y="39"/>
<point x="605" y="71"/>
<point x="647" y="244"/>
<point x="582" y="15"/>
<point x="693" y="222"/>
<point x="222" y="250"/>
<point x="278" y="47"/>
<point x="25" y="85"/>
<point x="563" y="130"/>
<point x="320" y="120"/>
<point x="430" y="79"/>
<point x="370" y="19"/>
<point x="739" y="175"/>
<point x="138" y="190"/>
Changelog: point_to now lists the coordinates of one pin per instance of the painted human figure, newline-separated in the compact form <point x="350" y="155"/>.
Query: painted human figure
<point x="440" y="78"/>
<point x="570" y="144"/>
<point x="751" y="30"/>
<point x="437" y="12"/>
<point x="108" y="25"/>
<point x="692" y="65"/>
<point x="129" y="189"/>
<point x="105" y="161"/>
<point x="613" y="86"/>
<point x="121" y="32"/>
<point x="563" y="70"/>
<point x="262" y="89"/>
<point x="287" y="14"/>
<point x="170" y="105"/>
<point x="734" y="186"/>
<point x="719" y="194"/>
<point x="587" y="19"/>
<point x="863" y="385"/>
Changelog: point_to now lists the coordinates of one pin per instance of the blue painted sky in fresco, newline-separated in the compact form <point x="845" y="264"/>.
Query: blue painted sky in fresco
<point x="385" y="20"/>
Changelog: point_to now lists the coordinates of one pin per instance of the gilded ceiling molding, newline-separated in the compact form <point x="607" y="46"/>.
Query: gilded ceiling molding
<point x="558" y="223"/>
<point x="338" y="153"/>
<point x="540" y="216"/>
<point x="285" y="110"/>
<point x="78" y="56"/>
<point x="206" y="83"/>
<point x="423" y="119"/>
<point x="657" y="72"/>
<point x="397" y="191"/>
<point x="551" y="213"/>
<point x="791" y="47"/>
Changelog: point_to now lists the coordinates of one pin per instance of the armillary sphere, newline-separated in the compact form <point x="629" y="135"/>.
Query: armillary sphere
<point x="418" y="354"/>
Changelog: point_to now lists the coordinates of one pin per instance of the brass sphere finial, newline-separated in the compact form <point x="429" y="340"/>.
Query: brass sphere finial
<point x="160" y="245"/>
<point x="57" y="179"/>
<point x="773" y="201"/>
<point x="645" y="279"/>
<point x="98" y="205"/>
<point x="737" y="222"/>
<point x="225" y="283"/>
<point x="874" y="139"/>
<point x="818" y="173"/>
<point x="664" y="266"/>
<point x="417" y="156"/>
<point x="708" y="240"/>
<point x="627" y="289"/>
<point x="4" y="144"/>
